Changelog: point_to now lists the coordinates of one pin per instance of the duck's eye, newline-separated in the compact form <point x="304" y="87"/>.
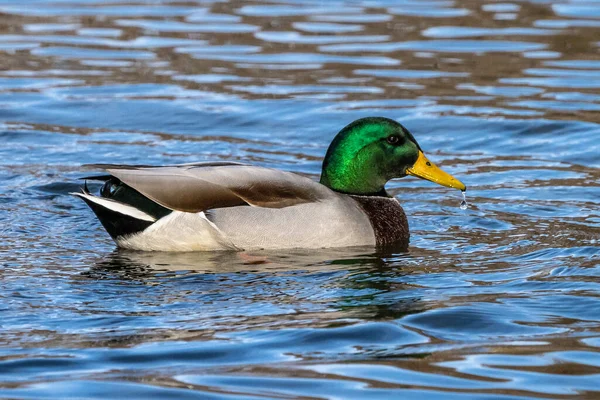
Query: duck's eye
<point x="394" y="139"/>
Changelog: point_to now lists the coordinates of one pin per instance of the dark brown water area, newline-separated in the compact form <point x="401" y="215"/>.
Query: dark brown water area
<point x="498" y="301"/>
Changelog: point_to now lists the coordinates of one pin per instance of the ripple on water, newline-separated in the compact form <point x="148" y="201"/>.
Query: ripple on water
<point x="446" y="46"/>
<point x="78" y="53"/>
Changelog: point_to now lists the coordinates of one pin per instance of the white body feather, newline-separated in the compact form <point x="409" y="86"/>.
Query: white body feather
<point x="179" y="231"/>
<point x="336" y="223"/>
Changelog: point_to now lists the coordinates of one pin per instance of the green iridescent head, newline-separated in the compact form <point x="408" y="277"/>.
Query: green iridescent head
<point x="371" y="151"/>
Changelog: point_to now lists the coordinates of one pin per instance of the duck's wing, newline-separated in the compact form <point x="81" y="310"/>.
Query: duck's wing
<point x="199" y="187"/>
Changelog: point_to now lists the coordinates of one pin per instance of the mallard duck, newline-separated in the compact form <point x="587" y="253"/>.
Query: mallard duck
<point x="231" y="206"/>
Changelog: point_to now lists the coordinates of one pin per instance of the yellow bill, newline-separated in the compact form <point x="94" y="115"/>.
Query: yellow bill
<point x="425" y="169"/>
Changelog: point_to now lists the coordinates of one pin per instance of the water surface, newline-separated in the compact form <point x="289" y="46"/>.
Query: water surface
<point x="499" y="301"/>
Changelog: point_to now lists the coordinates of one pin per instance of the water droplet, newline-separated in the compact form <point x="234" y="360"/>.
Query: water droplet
<point x="463" y="203"/>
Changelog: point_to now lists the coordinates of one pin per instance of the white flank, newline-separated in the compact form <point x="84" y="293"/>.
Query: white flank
<point x="117" y="207"/>
<point x="179" y="231"/>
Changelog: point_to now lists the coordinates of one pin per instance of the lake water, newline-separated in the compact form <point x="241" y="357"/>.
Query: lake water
<point x="499" y="301"/>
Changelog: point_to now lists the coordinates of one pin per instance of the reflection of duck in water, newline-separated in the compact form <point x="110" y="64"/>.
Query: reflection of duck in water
<point x="205" y="206"/>
<point x="144" y="263"/>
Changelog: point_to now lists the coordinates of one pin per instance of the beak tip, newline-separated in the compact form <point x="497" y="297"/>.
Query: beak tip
<point x="460" y="186"/>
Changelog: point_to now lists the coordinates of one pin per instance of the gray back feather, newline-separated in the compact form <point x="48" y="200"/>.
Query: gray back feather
<point x="199" y="187"/>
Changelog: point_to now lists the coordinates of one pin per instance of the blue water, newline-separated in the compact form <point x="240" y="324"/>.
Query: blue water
<point x="499" y="301"/>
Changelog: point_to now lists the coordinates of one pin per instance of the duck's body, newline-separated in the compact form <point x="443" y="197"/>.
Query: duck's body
<point x="308" y="215"/>
<point x="228" y="206"/>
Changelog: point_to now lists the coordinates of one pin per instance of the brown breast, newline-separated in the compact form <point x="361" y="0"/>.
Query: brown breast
<point x="388" y="220"/>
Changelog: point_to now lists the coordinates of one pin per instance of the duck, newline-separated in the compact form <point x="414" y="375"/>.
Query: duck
<point x="213" y="206"/>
